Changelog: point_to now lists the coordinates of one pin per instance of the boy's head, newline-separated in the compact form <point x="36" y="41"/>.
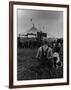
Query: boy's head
<point x="45" y="42"/>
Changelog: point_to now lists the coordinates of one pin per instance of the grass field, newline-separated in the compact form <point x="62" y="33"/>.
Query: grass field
<point x="26" y="66"/>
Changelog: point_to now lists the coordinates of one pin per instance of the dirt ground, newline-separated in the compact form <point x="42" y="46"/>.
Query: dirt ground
<point x="28" y="68"/>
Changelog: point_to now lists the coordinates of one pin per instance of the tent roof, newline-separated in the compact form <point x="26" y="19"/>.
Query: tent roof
<point x="33" y="29"/>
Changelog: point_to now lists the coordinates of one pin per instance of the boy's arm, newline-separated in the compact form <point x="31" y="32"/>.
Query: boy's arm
<point x="38" y="55"/>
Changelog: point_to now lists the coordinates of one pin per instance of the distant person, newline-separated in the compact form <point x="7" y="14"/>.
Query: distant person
<point x="57" y="47"/>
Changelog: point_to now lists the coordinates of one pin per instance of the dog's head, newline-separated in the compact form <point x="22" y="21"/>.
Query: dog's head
<point x="59" y="64"/>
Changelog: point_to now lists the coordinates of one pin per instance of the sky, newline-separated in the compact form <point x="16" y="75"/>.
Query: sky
<point x="50" y="22"/>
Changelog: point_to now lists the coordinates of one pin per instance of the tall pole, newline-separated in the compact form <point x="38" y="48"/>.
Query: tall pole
<point x="32" y="21"/>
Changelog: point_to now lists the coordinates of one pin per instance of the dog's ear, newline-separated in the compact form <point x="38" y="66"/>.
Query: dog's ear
<point x="55" y="58"/>
<point x="59" y="63"/>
